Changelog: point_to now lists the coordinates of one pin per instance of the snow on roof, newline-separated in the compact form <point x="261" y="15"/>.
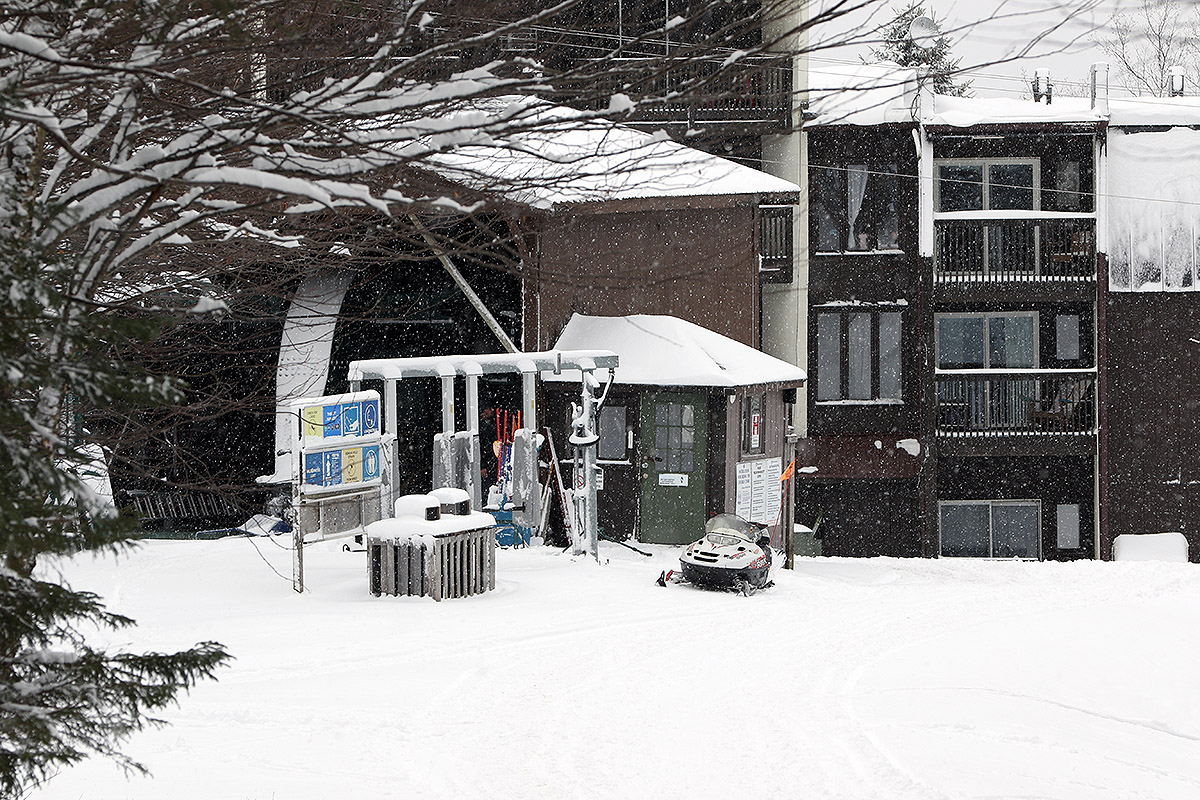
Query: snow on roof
<point x="859" y="94"/>
<point x="659" y="350"/>
<point x="877" y="94"/>
<point x="561" y="156"/>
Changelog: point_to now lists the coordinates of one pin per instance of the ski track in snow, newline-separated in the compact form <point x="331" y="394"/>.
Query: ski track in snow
<point x="876" y="678"/>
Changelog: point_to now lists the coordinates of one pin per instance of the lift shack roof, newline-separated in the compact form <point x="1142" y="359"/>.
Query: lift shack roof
<point x="658" y="350"/>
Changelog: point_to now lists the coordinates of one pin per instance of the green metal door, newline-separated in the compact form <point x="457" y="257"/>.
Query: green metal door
<point x="672" y="456"/>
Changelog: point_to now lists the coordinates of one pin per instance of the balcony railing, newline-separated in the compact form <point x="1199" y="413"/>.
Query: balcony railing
<point x="1004" y="403"/>
<point x="751" y="90"/>
<point x="1025" y="249"/>
<point x="775" y="244"/>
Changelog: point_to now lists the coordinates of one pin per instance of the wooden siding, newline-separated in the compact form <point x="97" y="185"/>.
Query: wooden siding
<point x="696" y="264"/>
<point x="1049" y="479"/>
<point x="1153" y="415"/>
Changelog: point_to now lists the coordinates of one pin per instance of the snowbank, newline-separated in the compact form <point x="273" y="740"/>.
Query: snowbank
<point x="856" y="679"/>
<point x="1151" y="547"/>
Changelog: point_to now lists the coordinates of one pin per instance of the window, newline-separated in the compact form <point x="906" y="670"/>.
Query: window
<point x="990" y="528"/>
<point x="612" y="445"/>
<point x="1067" y="521"/>
<point x="858" y="356"/>
<point x="987" y="340"/>
<point x="856" y="207"/>
<point x="674" y="436"/>
<point x="1066" y="337"/>
<point x="753" y="430"/>
<point x="984" y="185"/>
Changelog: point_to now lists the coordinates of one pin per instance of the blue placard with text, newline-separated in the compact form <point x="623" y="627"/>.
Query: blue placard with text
<point x="370" y="462"/>
<point x="331" y="468"/>
<point x="332" y="418"/>
<point x="370" y="417"/>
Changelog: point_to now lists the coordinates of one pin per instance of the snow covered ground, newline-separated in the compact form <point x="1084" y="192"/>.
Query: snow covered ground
<point x="871" y="679"/>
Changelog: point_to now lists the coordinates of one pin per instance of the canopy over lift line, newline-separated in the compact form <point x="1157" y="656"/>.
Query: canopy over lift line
<point x="456" y="453"/>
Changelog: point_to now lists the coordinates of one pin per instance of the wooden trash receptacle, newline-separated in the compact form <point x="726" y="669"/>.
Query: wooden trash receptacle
<point x="431" y="555"/>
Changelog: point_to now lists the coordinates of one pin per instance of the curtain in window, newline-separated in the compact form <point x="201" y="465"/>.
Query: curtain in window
<point x="859" y="355"/>
<point x="889" y="355"/>
<point x="856" y="190"/>
<point x="829" y="356"/>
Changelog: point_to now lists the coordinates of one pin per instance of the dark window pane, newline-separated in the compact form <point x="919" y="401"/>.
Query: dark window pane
<point x="829" y="208"/>
<point x="889" y="355"/>
<point x="1010" y="341"/>
<point x="960" y="188"/>
<point x="964" y="529"/>
<point x="1010" y="186"/>
<point x="1015" y="530"/>
<point x="960" y="343"/>
<point x="1067" y="519"/>
<point x="1066" y="337"/>
<point x="829" y="355"/>
<point x="859" y="355"/>
<point x="612" y="433"/>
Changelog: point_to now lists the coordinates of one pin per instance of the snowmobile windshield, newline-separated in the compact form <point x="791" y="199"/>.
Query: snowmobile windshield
<point x="728" y="529"/>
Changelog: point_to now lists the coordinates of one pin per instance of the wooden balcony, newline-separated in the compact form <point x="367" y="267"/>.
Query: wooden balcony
<point x="775" y="244"/>
<point x="990" y="249"/>
<point x="999" y="403"/>
<point x="754" y="90"/>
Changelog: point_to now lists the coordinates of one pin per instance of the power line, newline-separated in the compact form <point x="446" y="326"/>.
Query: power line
<point x="848" y="167"/>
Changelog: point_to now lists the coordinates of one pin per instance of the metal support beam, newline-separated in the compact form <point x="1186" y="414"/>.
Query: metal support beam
<point x="472" y="298"/>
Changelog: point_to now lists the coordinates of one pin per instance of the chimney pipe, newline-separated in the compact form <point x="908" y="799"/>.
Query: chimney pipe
<point x="1042" y="87"/>
<point x="1176" y="87"/>
<point x="1100" y="87"/>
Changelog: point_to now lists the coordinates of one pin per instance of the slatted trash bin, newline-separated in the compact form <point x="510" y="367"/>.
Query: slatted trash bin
<point x="435" y="546"/>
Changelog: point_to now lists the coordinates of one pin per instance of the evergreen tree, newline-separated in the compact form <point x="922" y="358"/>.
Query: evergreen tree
<point x="62" y="698"/>
<point x="898" y="47"/>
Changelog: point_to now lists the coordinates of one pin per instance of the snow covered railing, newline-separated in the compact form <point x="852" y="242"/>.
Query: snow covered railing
<point x="978" y="249"/>
<point x="979" y="403"/>
<point x="750" y="89"/>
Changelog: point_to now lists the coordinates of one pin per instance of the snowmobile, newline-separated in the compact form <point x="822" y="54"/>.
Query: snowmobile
<point x="733" y="554"/>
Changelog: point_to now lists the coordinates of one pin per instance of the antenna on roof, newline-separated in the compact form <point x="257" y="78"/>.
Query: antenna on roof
<point x="924" y="33"/>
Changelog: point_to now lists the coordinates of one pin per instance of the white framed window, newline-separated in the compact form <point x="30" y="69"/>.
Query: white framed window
<point x="987" y="340"/>
<point x="990" y="528"/>
<point x="990" y="184"/>
<point x="858" y="356"/>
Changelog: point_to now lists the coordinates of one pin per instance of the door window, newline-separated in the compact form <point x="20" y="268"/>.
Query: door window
<point x="674" y="435"/>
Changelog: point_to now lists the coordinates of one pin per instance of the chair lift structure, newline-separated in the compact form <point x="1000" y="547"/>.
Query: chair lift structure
<point x="456" y="453"/>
